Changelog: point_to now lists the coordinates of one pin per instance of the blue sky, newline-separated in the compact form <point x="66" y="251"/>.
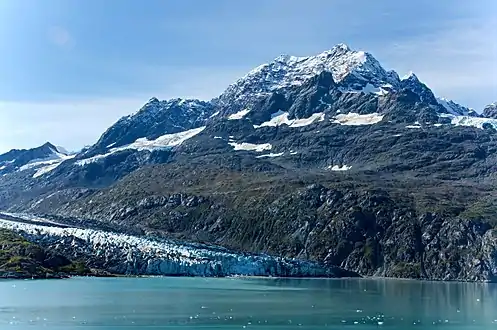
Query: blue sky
<point x="70" y="68"/>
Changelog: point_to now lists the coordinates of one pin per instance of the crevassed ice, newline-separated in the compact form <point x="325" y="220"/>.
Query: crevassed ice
<point x="281" y="118"/>
<point x="355" y="119"/>
<point x="162" y="142"/>
<point x="44" y="166"/>
<point x="470" y="121"/>
<point x="44" y="170"/>
<point x="142" y="256"/>
<point x="250" y="146"/>
<point x="239" y="114"/>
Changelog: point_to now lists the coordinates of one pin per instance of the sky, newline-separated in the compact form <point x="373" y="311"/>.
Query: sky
<point x="70" y="68"/>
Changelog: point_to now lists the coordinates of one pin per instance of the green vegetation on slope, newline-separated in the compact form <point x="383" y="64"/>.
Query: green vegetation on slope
<point x="22" y="259"/>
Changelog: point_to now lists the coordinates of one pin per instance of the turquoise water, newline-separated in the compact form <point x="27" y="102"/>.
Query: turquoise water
<point x="208" y="303"/>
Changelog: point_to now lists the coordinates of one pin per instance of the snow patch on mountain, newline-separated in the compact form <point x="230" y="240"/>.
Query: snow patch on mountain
<point x="93" y="159"/>
<point x="338" y="168"/>
<point x="281" y="118"/>
<point x="250" y="146"/>
<point x="62" y="150"/>
<point x="416" y="126"/>
<point x="143" y="144"/>
<point x="355" y="119"/>
<point x="409" y="75"/>
<point x="369" y="89"/>
<point x="46" y="164"/>
<point x="239" y="115"/>
<point x="164" y="141"/>
<point x="271" y="155"/>
<point x="50" y="166"/>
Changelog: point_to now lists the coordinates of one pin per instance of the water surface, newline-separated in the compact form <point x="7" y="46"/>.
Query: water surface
<point x="241" y="303"/>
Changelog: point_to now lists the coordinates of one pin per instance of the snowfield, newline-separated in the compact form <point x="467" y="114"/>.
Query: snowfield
<point x="281" y="118"/>
<point x="162" y="142"/>
<point x="471" y="121"/>
<point x="250" y="146"/>
<point x="355" y="119"/>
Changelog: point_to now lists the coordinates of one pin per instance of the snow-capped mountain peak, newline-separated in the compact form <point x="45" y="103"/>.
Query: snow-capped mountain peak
<point x="348" y="67"/>
<point x="410" y="76"/>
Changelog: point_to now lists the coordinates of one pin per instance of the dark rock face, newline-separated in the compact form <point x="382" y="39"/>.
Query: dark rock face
<point x="413" y="84"/>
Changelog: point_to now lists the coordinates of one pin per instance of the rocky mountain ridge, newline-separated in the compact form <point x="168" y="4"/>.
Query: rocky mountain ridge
<point x="329" y="158"/>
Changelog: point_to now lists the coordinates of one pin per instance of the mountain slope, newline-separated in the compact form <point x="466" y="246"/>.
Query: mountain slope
<point x="22" y="259"/>
<point x="329" y="158"/>
<point x="43" y="159"/>
<point x="154" y="119"/>
<point x="490" y="111"/>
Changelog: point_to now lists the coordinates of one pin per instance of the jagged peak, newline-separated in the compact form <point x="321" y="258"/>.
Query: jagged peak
<point x="153" y="100"/>
<point x="340" y="48"/>
<point x="410" y="76"/>
<point x="287" y="71"/>
<point x="48" y="145"/>
<point x="154" y="104"/>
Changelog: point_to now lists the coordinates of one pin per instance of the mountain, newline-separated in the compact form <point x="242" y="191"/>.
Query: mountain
<point x="353" y="70"/>
<point x="154" y="119"/>
<point x="490" y="111"/>
<point x="42" y="159"/>
<point x="327" y="158"/>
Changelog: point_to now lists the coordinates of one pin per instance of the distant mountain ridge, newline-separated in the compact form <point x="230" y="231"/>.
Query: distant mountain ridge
<point x="24" y="159"/>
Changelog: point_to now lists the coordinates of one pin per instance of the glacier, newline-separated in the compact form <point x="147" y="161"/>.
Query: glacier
<point x="132" y="255"/>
